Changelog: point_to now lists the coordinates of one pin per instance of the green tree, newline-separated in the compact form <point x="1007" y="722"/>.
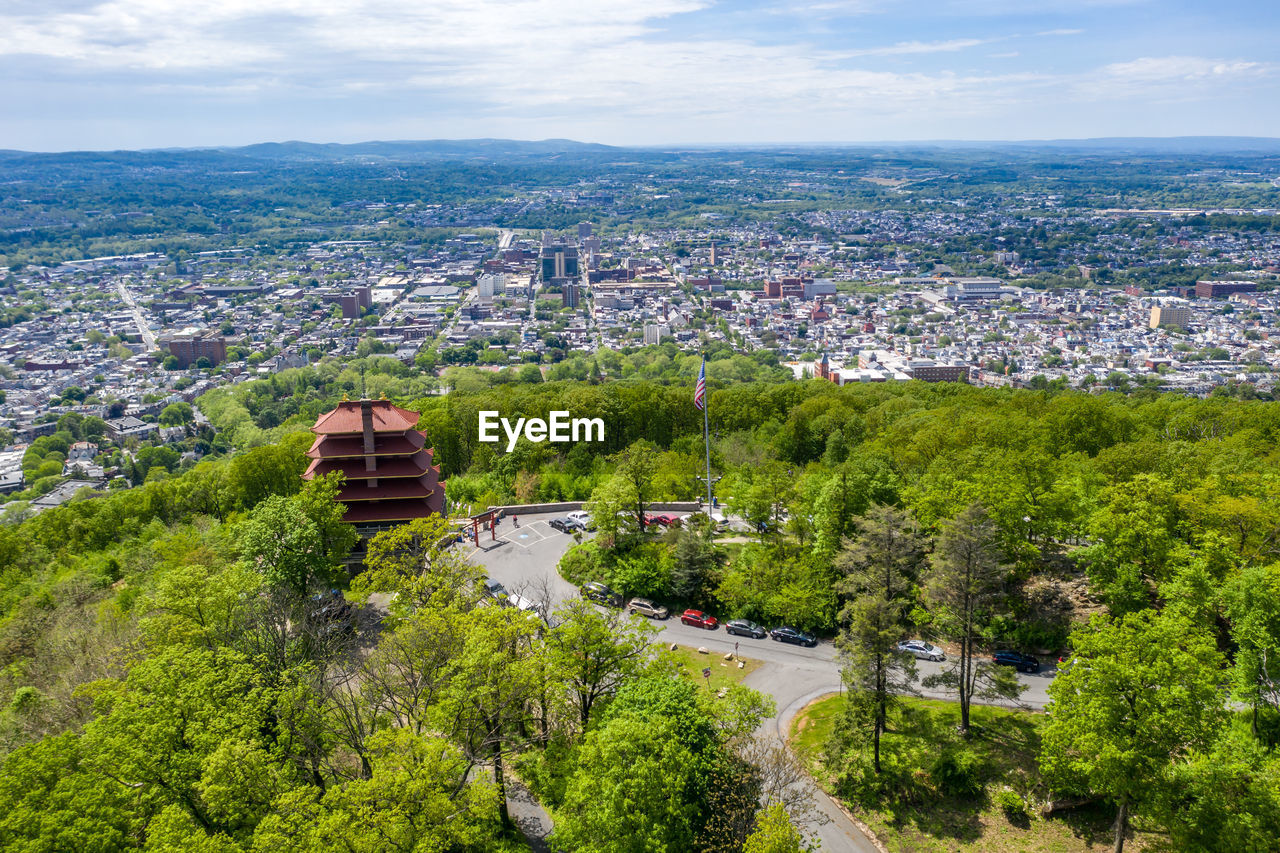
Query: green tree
<point x="498" y="671"/>
<point x="1134" y="531"/>
<point x="1139" y="692"/>
<point x="177" y="414"/>
<point x="414" y="563"/>
<point x="50" y="800"/>
<point x="964" y="583"/>
<point x="880" y="565"/>
<point x="696" y="563"/>
<point x="1224" y="800"/>
<point x="1252" y="600"/>
<point x="609" y="501"/>
<point x="418" y="798"/>
<point x="593" y="652"/>
<point x="318" y="501"/>
<point x="635" y="468"/>
<point x="774" y="833"/>
<point x="160" y="732"/>
<point x="284" y="545"/>
<point x="633" y="790"/>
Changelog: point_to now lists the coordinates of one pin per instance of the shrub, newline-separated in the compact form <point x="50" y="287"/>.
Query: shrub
<point x="1011" y="803"/>
<point x="645" y="573"/>
<point x="957" y="772"/>
<point x="582" y="563"/>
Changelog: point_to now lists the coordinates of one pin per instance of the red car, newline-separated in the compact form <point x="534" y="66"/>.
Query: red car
<point x="665" y="519"/>
<point x="698" y="619"/>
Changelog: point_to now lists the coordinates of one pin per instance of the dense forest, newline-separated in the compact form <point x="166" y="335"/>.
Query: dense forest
<point x="166" y="685"/>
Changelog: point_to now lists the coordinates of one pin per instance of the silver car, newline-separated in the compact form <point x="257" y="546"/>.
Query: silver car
<point x="645" y="607"/>
<point x="922" y="650"/>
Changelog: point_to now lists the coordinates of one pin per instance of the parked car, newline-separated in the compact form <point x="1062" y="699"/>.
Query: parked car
<point x="598" y="592"/>
<point x="521" y="603"/>
<point x="561" y="524"/>
<point x="787" y="634"/>
<point x="699" y="619"/>
<point x="1024" y="663"/>
<point x="495" y="589"/>
<point x="331" y="615"/>
<point x="922" y="650"/>
<point x="582" y="517"/>
<point x="572" y="524"/>
<point x="743" y="628"/>
<point x="645" y="607"/>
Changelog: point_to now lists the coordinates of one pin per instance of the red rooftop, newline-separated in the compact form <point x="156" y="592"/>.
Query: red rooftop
<point x="389" y="470"/>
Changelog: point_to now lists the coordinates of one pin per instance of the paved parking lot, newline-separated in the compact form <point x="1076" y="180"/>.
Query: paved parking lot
<point x="525" y="558"/>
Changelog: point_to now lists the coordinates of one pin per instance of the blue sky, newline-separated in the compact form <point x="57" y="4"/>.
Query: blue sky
<point x="85" y="74"/>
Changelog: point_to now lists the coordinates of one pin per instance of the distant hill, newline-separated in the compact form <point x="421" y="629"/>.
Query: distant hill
<point x="319" y="152"/>
<point x="550" y="150"/>
<point x="422" y="150"/>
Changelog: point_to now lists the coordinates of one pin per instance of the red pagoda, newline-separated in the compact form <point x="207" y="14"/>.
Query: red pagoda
<point x="390" y="478"/>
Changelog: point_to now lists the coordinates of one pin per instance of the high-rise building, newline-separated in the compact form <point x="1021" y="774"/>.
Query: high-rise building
<point x="388" y="467"/>
<point x="655" y="332"/>
<point x="584" y="230"/>
<point x="190" y="348"/>
<point x="569" y="294"/>
<point x="1170" y="315"/>
<point x="490" y="285"/>
<point x="558" y="261"/>
<point x="1215" y="289"/>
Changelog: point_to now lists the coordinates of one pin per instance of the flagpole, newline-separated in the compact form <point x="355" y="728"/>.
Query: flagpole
<point x="706" y="434"/>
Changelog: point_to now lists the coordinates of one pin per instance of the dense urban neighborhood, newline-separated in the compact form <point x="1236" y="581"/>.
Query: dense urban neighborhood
<point x="1001" y="287"/>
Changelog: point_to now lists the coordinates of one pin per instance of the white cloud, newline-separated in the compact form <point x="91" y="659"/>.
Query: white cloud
<point x="1171" y="78"/>
<point x="1181" y="69"/>
<point x="621" y="71"/>
<point x="499" y="56"/>
<point x="913" y="47"/>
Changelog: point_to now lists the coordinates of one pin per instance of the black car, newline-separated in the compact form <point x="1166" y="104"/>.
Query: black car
<point x="743" y="628"/>
<point x="787" y="634"/>
<point x="330" y="613"/>
<point x="1024" y="663"/>
<point x="598" y="592"/>
<point x="561" y="524"/>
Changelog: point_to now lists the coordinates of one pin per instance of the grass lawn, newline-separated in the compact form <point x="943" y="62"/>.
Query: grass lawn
<point x="724" y="673"/>
<point x="912" y="815"/>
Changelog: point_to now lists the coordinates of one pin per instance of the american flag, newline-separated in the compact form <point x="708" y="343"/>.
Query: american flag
<point x="700" y="390"/>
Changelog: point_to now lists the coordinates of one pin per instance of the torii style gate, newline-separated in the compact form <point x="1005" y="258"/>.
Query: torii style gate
<point x="489" y="518"/>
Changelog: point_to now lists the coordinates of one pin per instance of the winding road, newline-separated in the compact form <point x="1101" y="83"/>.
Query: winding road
<point x="525" y="558"/>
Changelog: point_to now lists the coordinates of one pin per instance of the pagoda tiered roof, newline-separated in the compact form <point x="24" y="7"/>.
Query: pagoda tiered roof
<point x="347" y="419"/>
<point x="352" y="446"/>
<point x="389" y="467"/>
<point x="385" y="460"/>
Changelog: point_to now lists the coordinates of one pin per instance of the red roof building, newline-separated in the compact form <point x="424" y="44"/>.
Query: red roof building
<point x="389" y="470"/>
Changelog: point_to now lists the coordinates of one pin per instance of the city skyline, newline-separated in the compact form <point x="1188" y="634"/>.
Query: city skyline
<point x="138" y="74"/>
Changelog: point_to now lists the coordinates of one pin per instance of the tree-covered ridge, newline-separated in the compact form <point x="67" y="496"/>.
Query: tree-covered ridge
<point x="1032" y="510"/>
